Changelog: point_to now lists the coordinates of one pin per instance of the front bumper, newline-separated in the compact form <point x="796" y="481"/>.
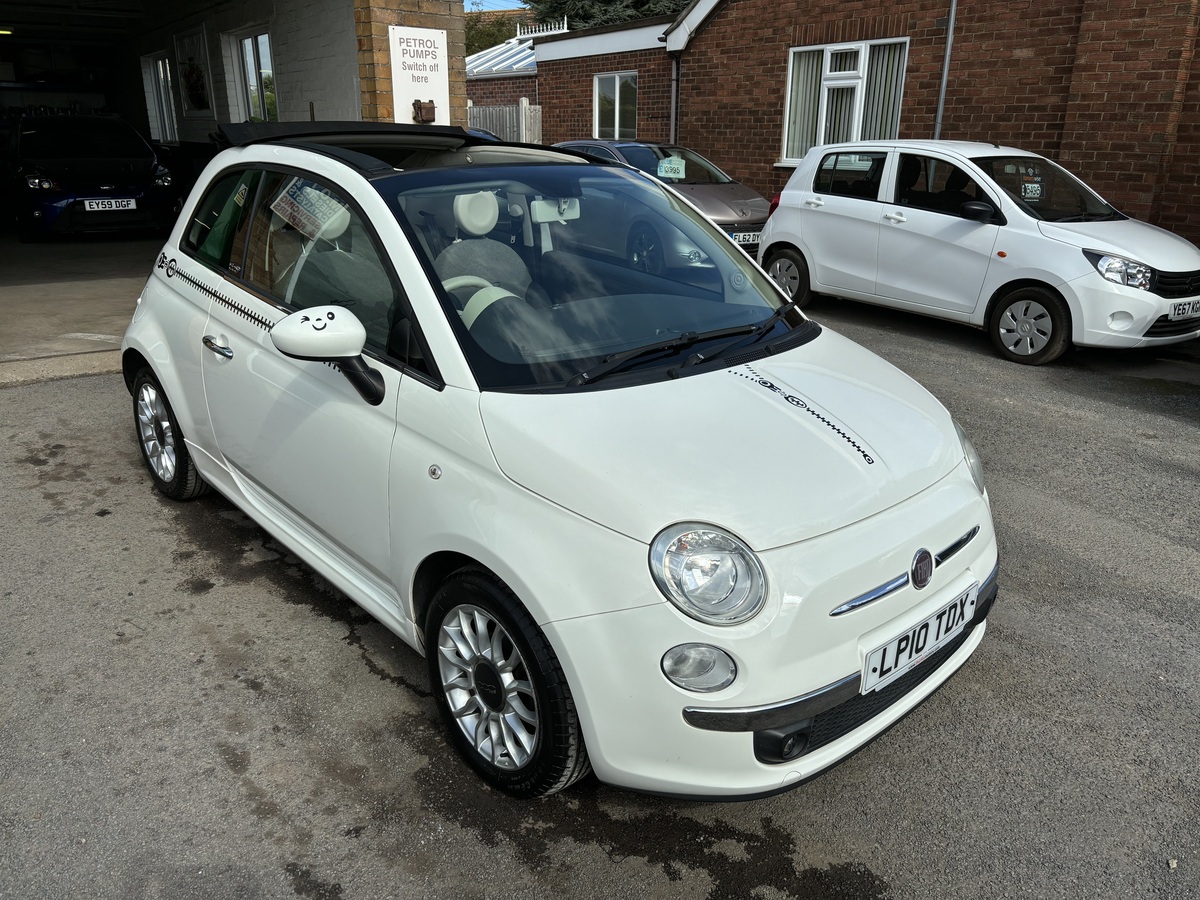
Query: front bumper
<point x="798" y="662"/>
<point x="1110" y="315"/>
<point x="794" y="728"/>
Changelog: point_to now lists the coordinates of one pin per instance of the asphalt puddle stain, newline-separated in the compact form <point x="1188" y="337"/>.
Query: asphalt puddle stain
<point x="662" y="832"/>
<point x="679" y="838"/>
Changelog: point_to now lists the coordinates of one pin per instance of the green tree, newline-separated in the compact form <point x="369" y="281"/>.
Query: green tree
<point x="588" y="13"/>
<point x="486" y="30"/>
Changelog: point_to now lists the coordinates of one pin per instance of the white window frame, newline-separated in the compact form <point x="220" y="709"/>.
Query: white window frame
<point x="158" y="78"/>
<point x="239" y="100"/>
<point x="617" y="111"/>
<point x="854" y="79"/>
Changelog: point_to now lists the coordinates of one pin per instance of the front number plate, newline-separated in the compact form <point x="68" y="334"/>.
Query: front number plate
<point x="1184" y="309"/>
<point x="887" y="663"/>
<point x="108" y="204"/>
<point x="745" y="237"/>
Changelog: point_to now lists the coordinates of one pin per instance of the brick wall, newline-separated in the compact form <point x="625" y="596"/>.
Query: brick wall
<point x="371" y="20"/>
<point x="506" y="91"/>
<point x="1176" y="206"/>
<point x="1108" y="87"/>
<point x="566" y="93"/>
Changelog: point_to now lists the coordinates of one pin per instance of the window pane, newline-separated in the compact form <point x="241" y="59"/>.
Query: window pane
<point x="266" y="78"/>
<point x="219" y="218"/>
<point x="253" y="93"/>
<point x="606" y="107"/>
<point x="881" y="106"/>
<point x="803" y="96"/>
<point x="627" y="108"/>
<point x="308" y="247"/>
<point x="843" y="61"/>
<point x="839" y="114"/>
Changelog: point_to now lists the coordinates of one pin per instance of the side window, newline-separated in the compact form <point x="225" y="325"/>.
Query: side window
<point x="933" y="184"/>
<point x="218" y="228"/>
<point x="850" y="175"/>
<point x="309" y="247"/>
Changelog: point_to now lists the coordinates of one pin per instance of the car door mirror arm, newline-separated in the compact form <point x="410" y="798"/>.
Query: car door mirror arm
<point x="367" y="381"/>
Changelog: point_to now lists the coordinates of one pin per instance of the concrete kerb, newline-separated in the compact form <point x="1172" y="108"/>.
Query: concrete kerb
<point x="52" y="368"/>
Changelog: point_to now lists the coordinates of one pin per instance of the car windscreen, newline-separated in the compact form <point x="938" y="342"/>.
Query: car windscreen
<point x="1045" y="190"/>
<point x="78" y="138"/>
<point x="691" y="167"/>
<point x="551" y="273"/>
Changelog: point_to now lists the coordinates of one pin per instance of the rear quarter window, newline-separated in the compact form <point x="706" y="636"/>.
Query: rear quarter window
<point x="217" y="225"/>
<point x="850" y="175"/>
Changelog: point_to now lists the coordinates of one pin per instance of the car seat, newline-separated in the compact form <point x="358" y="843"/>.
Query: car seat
<point x="954" y="196"/>
<point x="473" y="253"/>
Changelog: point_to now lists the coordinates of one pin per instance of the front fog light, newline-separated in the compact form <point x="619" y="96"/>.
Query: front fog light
<point x="699" y="668"/>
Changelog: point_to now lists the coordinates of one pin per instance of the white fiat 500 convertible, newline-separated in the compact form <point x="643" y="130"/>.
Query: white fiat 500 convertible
<point x="404" y="353"/>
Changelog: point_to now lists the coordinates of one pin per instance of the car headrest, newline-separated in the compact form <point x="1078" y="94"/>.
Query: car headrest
<point x="476" y="214"/>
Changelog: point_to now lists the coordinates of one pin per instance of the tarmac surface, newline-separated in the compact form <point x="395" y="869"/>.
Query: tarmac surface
<point x="65" y="304"/>
<point x="190" y="713"/>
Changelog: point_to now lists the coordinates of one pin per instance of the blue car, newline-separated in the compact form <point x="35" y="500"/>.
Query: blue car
<point x="72" y="174"/>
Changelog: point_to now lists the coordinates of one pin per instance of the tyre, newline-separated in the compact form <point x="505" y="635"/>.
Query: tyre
<point x="1031" y="325"/>
<point x="644" y="249"/>
<point x="161" y="441"/>
<point x="788" y="269"/>
<point x="500" y="689"/>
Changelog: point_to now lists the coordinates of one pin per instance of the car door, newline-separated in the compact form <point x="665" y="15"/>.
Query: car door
<point x="306" y="451"/>
<point x="839" y="221"/>
<point x="931" y="259"/>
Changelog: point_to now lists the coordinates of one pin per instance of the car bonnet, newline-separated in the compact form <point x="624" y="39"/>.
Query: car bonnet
<point x="777" y="451"/>
<point x="1129" y="238"/>
<point x="727" y="203"/>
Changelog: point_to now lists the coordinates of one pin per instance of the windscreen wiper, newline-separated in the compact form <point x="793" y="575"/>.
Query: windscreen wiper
<point x="617" y="361"/>
<point x="756" y="332"/>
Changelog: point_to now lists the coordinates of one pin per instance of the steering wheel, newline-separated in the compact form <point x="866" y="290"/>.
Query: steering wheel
<point x="462" y="281"/>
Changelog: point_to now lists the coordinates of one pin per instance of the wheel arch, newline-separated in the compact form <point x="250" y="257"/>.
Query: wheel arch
<point x="775" y="246"/>
<point x="1008" y="287"/>
<point x="133" y="362"/>
<point x="431" y="574"/>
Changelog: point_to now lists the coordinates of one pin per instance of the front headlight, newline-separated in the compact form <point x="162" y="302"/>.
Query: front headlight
<point x="162" y="177"/>
<point x="1121" y="271"/>
<point x="972" y="457"/>
<point x="40" y="181"/>
<point x="709" y="574"/>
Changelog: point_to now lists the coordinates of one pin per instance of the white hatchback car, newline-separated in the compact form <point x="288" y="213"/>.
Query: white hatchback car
<point x="555" y="474"/>
<point x="995" y="237"/>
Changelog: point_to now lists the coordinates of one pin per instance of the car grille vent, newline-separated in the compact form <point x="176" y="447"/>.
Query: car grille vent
<point x="1164" y="327"/>
<point x="792" y="339"/>
<point x="844" y="718"/>
<point x="1174" y="285"/>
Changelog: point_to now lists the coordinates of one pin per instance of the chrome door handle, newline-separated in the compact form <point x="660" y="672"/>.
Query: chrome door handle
<point x="220" y="349"/>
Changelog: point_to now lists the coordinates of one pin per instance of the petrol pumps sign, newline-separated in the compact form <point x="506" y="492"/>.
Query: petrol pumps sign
<point x="420" y="75"/>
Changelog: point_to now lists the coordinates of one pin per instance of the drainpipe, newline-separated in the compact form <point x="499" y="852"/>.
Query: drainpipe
<point x="937" y="125"/>
<point x="674" y="137"/>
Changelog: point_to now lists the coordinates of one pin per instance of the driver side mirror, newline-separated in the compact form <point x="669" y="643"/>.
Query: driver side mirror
<point x="976" y="211"/>
<point x="330" y="334"/>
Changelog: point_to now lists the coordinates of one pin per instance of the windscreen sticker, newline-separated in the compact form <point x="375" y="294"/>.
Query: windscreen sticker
<point x="1031" y="185"/>
<point x="306" y="208"/>
<point x="671" y="167"/>
<point x="748" y="373"/>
